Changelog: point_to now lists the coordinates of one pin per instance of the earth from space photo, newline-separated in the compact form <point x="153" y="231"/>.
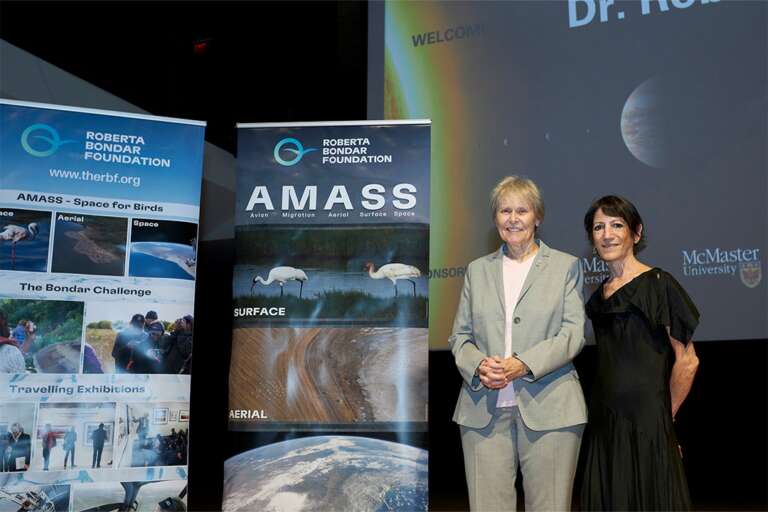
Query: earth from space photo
<point x="162" y="259"/>
<point x="327" y="473"/>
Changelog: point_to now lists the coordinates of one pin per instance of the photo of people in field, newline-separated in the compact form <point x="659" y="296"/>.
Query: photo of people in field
<point x="41" y="336"/>
<point x="140" y="338"/>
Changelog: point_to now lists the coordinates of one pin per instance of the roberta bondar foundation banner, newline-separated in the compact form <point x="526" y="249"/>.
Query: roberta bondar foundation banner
<point x="330" y="341"/>
<point x="98" y="234"/>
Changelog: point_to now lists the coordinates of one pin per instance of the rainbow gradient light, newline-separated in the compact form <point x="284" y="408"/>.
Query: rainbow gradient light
<point x="425" y="82"/>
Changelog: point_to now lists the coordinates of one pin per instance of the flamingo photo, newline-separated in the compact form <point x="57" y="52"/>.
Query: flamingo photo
<point x="15" y="234"/>
<point x="393" y="272"/>
<point x="282" y="275"/>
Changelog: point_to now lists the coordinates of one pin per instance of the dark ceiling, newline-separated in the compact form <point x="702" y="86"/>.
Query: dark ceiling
<point x="263" y="61"/>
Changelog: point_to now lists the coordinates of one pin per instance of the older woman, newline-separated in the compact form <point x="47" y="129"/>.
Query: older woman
<point x="643" y="322"/>
<point x="19" y="449"/>
<point x="519" y="324"/>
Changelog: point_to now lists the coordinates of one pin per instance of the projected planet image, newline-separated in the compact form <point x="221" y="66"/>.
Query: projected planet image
<point x="644" y="124"/>
<point x="327" y="473"/>
<point x="162" y="259"/>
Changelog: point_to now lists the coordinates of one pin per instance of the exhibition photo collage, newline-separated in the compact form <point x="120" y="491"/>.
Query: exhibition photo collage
<point x="77" y="243"/>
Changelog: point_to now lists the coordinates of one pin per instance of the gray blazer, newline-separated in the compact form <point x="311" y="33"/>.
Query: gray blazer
<point x="547" y="333"/>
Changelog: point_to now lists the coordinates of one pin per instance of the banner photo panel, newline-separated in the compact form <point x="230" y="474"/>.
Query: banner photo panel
<point x="330" y="286"/>
<point x="98" y="233"/>
<point x="330" y="347"/>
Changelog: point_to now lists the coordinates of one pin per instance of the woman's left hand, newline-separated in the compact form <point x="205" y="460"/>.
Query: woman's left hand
<point x="513" y="368"/>
<point x="491" y="373"/>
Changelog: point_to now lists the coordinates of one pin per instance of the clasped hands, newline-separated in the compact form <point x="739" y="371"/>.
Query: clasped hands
<point x="496" y="372"/>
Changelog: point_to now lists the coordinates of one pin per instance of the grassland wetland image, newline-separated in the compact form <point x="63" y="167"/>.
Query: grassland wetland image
<point x="89" y="244"/>
<point x="24" y="236"/>
<point x="370" y="274"/>
<point x="44" y="336"/>
<point x="339" y="375"/>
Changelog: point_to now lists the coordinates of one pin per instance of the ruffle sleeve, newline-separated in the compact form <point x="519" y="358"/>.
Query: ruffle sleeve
<point x="658" y="297"/>
<point x="676" y="309"/>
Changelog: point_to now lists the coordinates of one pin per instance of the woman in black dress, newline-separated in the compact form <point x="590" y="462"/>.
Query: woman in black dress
<point x="643" y="322"/>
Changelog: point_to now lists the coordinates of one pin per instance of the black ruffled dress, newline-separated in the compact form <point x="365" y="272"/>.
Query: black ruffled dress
<point x="631" y="459"/>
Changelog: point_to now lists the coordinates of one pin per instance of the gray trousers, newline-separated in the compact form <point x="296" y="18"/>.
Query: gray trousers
<point x="547" y="460"/>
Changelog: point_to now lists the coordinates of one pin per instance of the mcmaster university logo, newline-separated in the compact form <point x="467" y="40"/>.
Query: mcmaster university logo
<point x="742" y="262"/>
<point x="290" y="145"/>
<point x="42" y="140"/>
<point x="750" y="273"/>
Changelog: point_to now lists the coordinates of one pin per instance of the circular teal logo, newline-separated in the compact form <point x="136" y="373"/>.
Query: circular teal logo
<point x="297" y="150"/>
<point x="49" y="136"/>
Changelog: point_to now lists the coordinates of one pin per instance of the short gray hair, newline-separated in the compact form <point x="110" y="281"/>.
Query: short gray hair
<point x="524" y="187"/>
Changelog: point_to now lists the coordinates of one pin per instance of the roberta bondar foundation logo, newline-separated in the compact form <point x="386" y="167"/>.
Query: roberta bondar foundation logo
<point x="42" y="140"/>
<point x="292" y="146"/>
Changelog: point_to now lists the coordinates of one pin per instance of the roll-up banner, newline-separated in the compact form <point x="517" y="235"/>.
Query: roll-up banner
<point x="98" y="231"/>
<point x="328" y="377"/>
